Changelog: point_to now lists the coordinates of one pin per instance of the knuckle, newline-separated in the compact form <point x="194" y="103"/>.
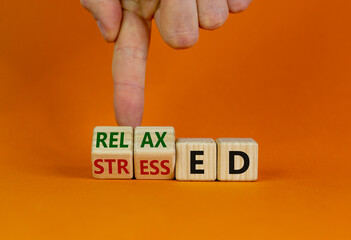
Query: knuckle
<point x="129" y="87"/>
<point x="132" y="52"/>
<point x="182" y="39"/>
<point x="213" y="20"/>
<point x="239" y="5"/>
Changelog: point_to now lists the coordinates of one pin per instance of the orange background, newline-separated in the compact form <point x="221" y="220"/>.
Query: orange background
<point x="279" y="73"/>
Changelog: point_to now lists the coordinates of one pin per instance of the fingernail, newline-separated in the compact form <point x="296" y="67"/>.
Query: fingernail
<point x="102" y="29"/>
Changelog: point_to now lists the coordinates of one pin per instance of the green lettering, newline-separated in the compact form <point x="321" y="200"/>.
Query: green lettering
<point x="112" y="139"/>
<point x="100" y="138"/>
<point x="147" y="140"/>
<point x="160" y="139"/>
<point x="121" y="144"/>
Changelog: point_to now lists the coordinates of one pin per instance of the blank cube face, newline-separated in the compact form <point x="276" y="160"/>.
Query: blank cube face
<point x="196" y="159"/>
<point x="112" y="153"/>
<point x="154" y="152"/>
<point x="237" y="159"/>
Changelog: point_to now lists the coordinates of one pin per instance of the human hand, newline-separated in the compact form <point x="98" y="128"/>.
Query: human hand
<point x="128" y="24"/>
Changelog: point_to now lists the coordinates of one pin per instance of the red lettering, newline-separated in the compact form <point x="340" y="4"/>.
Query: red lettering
<point x="124" y="166"/>
<point x="96" y="164"/>
<point x="142" y="167"/>
<point x="165" y="167"/>
<point x="154" y="167"/>
<point x="110" y="161"/>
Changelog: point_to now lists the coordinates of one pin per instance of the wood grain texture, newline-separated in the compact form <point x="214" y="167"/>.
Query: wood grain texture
<point x="112" y="153"/>
<point x="185" y="147"/>
<point x="245" y="145"/>
<point x="154" y="152"/>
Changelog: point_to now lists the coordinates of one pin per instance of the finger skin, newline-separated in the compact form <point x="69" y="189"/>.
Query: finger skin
<point x="178" y="22"/>
<point x="108" y="15"/>
<point x="236" y="6"/>
<point x="128" y="69"/>
<point x="212" y="13"/>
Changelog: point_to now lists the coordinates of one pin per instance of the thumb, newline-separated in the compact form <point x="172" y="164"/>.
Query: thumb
<point x="108" y="15"/>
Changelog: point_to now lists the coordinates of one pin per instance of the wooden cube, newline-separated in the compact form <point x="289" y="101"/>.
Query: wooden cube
<point x="154" y="152"/>
<point x="196" y="159"/>
<point x="237" y="159"/>
<point x="112" y="153"/>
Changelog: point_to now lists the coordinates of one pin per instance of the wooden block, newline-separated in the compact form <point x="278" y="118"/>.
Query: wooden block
<point x="196" y="159"/>
<point x="237" y="159"/>
<point x="154" y="152"/>
<point x="112" y="153"/>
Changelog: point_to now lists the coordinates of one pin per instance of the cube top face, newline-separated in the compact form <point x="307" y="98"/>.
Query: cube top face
<point x="112" y="153"/>
<point x="154" y="139"/>
<point x="249" y="141"/>
<point x="237" y="159"/>
<point x="154" y="152"/>
<point x="196" y="159"/>
<point x="112" y="140"/>
<point x="195" y="140"/>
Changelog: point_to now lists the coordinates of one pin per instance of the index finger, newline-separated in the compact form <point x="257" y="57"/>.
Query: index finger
<point x="128" y="69"/>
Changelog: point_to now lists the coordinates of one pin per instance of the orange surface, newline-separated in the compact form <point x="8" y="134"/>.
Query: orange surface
<point x="279" y="73"/>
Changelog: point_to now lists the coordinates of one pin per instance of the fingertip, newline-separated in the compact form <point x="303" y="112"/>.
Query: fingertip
<point x="182" y="40"/>
<point x="103" y="31"/>
<point x="109" y="35"/>
<point x="236" y="6"/>
<point x="128" y="69"/>
<point x="212" y="13"/>
<point x="129" y="105"/>
<point x="177" y="21"/>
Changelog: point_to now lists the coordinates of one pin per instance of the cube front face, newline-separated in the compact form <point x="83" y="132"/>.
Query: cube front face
<point x="154" y="152"/>
<point x="112" y="153"/>
<point x="196" y="159"/>
<point x="237" y="159"/>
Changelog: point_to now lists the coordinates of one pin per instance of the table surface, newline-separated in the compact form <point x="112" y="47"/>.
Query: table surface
<point x="49" y="192"/>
